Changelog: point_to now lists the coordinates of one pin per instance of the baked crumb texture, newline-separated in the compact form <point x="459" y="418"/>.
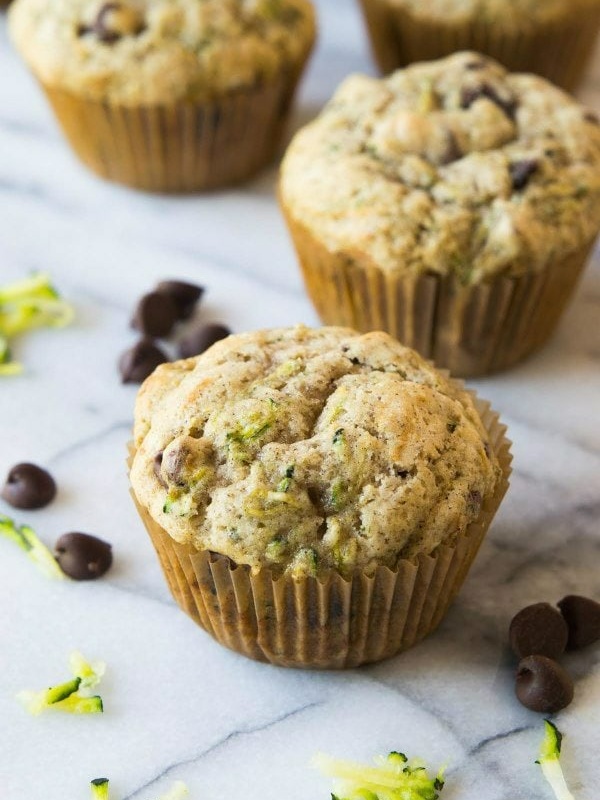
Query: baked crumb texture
<point x="454" y="167"/>
<point x="160" y="51"/>
<point x="307" y="450"/>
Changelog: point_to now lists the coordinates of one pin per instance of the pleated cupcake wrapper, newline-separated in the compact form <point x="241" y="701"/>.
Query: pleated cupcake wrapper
<point x="469" y="330"/>
<point x="184" y="147"/>
<point x="558" y="50"/>
<point x="329" y="622"/>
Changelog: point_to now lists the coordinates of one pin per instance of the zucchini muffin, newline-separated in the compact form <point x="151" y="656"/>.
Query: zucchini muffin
<point x="303" y="466"/>
<point x="168" y="95"/>
<point x="452" y="204"/>
<point x="553" y="38"/>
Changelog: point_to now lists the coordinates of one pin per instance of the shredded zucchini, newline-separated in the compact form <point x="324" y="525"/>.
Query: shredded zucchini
<point x="68" y="696"/>
<point x="26" y="539"/>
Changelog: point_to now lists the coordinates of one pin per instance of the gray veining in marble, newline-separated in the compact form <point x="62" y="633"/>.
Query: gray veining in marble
<point x="178" y="707"/>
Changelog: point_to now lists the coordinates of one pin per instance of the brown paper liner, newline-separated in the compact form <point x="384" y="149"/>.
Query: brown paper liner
<point x="469" y="330"/>
<point x="184" y="147"/>
<point x="329" y="622"/>
<point x="558" y="50"/>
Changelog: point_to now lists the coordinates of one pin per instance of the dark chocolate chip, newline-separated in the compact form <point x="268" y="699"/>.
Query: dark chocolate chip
<point x="453" y="151"/>
<point x="157" y="468"/>
<point x="592" y="118"/>
<point x="28" y="486"/>
<point x="583" y="619"/>
<point x="201" y="338"/>
<point x="471" y="94"/>
<point x="155" y="315"/>
<point x="109" y="30"/>
<point x="185" y="295"/>
<point x="83" y="557"/>
<point x="538" y="630"/>
<point x="543" y="685"/>
<point x="174" y="463"/>
<point x="140" y="361"/>
<point x="521" y="172"/>
<point x="475" y="65"/>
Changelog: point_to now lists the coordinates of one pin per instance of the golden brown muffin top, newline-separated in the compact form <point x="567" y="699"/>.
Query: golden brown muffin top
<point x="160" y="51"/>
<point x="304" y="450"/>
<point x="451" y="167"/>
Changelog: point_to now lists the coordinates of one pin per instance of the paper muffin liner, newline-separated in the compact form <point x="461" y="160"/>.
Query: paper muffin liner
<point x="559" y="50"/>
<point x="329" y="622"/>
<point x="470" y="330"/>
<point x="183" y="147"/>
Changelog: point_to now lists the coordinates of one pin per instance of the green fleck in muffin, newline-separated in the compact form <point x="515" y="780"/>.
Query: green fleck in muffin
<point x="303" y="454"/>
<point x="168" y="95"/>
<point x="453" y="204"/>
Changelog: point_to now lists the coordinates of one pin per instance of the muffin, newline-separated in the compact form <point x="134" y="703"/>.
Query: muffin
<point x="553" y="38"/>
<point x="168" y="95"/>
<point x="452" y="204"/>
<point x="315" y="497"/>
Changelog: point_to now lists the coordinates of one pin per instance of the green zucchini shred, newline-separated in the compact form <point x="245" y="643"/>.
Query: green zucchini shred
<point x="25" y="537"/>
<point x="394" y="777"/>
<point x="67" y="696"/>
<point x="99" y="788"/>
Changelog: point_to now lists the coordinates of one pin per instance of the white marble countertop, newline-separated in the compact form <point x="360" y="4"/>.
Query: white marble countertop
<point x="179" y="707"/>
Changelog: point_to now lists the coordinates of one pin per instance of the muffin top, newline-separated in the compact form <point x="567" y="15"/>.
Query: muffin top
<point x="304" y="450"/>
<point x="159" y="51"/>
<point x="509" y="13"/>
<point x="451" y="167"/>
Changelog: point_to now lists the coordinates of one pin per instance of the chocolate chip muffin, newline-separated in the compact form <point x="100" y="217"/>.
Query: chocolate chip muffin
<point x="286" y="460"/>
<point x="168" y="95"/>
<point x="553" y="38"/>
<point x="453" y="204"/>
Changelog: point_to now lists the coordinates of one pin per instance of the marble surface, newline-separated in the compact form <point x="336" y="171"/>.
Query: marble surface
<point x="178" y="707"/>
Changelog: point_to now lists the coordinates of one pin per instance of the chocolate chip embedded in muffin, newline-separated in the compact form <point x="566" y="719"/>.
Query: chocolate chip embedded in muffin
<point x="471" y="94"/>
<point x="29" y="487"/>
<point x="521" y="172"/>
<point x="115" y="21"/>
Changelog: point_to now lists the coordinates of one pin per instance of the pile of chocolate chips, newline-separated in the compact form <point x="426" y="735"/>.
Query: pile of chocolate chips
<point x="80" y="556"/>
<point x="539" y="634"/>
<point x="156" y="316"/>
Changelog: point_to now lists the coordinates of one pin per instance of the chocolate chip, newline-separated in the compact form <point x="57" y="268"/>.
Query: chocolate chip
<point x="185" y="295"/>
<point x="539" y="630"/>
<point x="201" y="338"/>
<point x="140" y="361"/>
<point x="475" y="65"/>
<point x="452" y="151"/>
<point x="157" y="469"/>
<point x="113" y="22"/>
<point x="592" y="118"/>
<point x="583" y="619"/>
<point x="155" y="315"/>
<point x="28" y="486"/>
<point x="83" y="557"/>
<point x="543" y="685"/>
<point x="471" y="94"/>
<point x="521" y="171"/>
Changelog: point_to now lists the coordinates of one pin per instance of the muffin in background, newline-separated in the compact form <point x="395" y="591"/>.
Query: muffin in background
<point x="553" y="38"/>
<point x="168" y="95"/>
<point x="452" y="204"/>
<point x="315" y="497"/>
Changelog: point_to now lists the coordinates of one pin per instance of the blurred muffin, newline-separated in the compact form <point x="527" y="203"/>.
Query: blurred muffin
<point x="295" y="475"/>
<point x="452" y="204"/>
<point x="553" y="38"/>
<point x="168" y="95"/>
